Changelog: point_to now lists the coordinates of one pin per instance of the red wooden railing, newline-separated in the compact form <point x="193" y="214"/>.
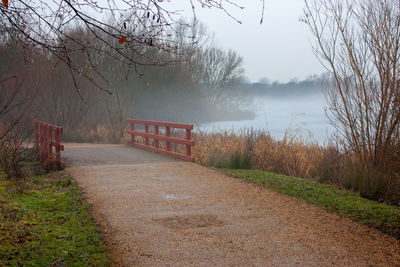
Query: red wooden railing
<point x="167" y="137"/>
<point x="47" y="137"/>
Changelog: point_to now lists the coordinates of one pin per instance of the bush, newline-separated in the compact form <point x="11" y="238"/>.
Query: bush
<point x="10" y="154"/>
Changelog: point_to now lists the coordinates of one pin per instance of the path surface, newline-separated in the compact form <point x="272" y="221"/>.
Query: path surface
<point x="157" y="211"/>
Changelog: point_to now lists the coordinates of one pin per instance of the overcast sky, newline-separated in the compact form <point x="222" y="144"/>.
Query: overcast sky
<point x="279" y="49"/>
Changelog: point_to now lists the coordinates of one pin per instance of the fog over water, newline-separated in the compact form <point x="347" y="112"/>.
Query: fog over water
<point x="304" y="115"/>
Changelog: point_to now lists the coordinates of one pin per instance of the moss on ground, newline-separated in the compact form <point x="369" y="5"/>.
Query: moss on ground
<point x="45" y="222"/>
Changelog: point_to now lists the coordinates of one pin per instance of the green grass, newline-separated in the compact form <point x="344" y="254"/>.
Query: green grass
<point x="45" y="222"/>
<point x="381" y="216"/>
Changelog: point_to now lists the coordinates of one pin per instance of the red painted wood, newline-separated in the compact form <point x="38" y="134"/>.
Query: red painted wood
<point x="49" y="142"/>
<point x="168" y="134"/>
<point x="41" y="140"/>
<point x="156" y="140"/>
<point x="57" y="136"/>
<point x="44" y="146"/>
<point x="188" y="147"/>
<point x="163" y="138"/>
<point x="146" y="139"/>
<point x="45" y="142"/>
<point x="156" y="136"/>
<point x="162" y="123"/>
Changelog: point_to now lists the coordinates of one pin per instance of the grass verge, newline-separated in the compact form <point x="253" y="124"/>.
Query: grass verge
<point x="45" y="222"/>
<point x="381" y="216"/>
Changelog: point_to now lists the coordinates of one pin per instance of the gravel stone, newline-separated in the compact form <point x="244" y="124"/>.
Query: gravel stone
<point x="158" y="211"/>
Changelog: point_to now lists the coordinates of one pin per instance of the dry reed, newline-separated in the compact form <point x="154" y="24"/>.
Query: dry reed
<point x="298" y="157"/>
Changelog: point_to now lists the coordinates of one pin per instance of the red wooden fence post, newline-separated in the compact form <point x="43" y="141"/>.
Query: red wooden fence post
<point x="132" y="129"/>
<point x="46" y="143"/>
<point x="156" y="142"/>
<point x="57" y="143"/>
<point x="44" y="150"/>
<point x="146" y="130"/>
<point x="41" y="146"/>
<point x="50" y="142"/>
<point x="45" y="140"/>
<point x="188" y="147"/>
<point x="168" y="134"/>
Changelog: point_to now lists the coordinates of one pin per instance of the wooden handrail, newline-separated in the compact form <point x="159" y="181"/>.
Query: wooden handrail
<point x="163" y="123"/>
<point x="156" y="136"/>
<point x="44" y="143"/>
<point x="163" y="138"/>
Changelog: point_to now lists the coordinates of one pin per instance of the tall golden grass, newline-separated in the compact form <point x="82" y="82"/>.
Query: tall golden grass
<point x="295" y="156"/>
<point x="259" y="150"/>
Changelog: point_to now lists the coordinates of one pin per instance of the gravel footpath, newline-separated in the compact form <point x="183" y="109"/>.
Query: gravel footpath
<point x="158" y="211"/>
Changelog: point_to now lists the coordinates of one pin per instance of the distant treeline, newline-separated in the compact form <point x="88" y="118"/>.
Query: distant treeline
<point x="294" y="88"/>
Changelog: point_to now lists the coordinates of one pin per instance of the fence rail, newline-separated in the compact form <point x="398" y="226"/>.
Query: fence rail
<point x="157" y="137"/>
<point x="47" y="138"/>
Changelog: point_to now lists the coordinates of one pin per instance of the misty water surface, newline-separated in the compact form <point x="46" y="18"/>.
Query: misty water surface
<point x="303" y="115"/>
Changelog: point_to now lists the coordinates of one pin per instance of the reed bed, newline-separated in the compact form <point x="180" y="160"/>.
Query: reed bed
<point x="298" y="157"/>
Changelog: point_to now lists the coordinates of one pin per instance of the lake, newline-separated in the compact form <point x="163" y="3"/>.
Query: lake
<point x="305" y="115"/>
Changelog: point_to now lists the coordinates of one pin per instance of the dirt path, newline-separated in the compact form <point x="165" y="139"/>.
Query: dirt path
<point x="157" y="211"/>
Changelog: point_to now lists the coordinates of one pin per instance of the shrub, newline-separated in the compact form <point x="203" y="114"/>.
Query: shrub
<point x="10" y="153"/>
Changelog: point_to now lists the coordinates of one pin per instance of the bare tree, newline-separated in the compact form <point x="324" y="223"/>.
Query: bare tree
<point x="217" y="72"/>
<point x="13" y="103"/>
<point x="125" y="30"/>
<point x="358" y="41"/>
<point x="15" y="96"/>
<point x="16" y="100"/>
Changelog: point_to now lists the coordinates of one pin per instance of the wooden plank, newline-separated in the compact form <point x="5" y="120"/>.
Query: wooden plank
<point x="168" y="134"/>
<point x="57" y="136"/>
<point x="156" y="133"/>
<point x="189" y="147"/>
<point x="163" y="138"/>
<point x="161" y="123"/>
<point x="49" y="125"/>
<point x="161" y="151"/>
<point x="146" y="139"/>
<point x="41" y="141"/>
<point x="43" y="135"/>
<point x="49" y="142"/>
<point x="46" y="142"/>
